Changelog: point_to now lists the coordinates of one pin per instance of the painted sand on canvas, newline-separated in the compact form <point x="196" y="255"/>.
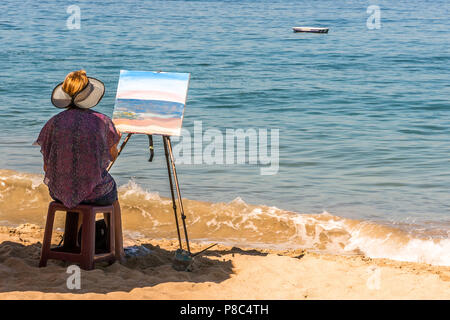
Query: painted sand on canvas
<point x="150" y="102"/>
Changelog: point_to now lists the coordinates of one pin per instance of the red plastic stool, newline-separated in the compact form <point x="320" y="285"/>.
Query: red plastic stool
<point x="70" y="251"/>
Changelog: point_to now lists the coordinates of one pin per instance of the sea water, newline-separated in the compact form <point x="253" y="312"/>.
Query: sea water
<point x="363" y="115"/>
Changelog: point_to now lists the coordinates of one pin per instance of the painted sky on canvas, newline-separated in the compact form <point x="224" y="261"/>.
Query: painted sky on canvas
<point x="150" y="102"/>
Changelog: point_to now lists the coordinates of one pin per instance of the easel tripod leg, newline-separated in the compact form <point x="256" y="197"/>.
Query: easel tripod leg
<point x="170" y="166"/>
<point x="180" y="202"/>
<point x="174" y="206"/>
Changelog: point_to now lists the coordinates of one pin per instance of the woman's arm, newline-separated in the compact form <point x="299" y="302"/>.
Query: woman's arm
<point x="113" y="151"/>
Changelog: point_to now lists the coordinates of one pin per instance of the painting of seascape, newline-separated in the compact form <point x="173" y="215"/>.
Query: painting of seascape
<point x="150" y="102"/>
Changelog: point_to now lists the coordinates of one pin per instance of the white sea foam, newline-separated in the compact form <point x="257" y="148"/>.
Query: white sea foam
<point x="431" y="251"/>
<point x="148" y="215"/>
<point x="133" y="189"/>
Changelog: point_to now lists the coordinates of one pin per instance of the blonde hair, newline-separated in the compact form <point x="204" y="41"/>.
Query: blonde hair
<point x="75" y="82"/>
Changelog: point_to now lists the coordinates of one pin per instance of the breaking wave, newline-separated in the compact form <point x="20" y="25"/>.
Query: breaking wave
<point x="24" y="198"/>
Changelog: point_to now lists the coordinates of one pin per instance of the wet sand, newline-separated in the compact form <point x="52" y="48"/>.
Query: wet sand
<point x="221" y="273"/>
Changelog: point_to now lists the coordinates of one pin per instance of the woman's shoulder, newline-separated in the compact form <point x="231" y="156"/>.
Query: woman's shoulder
<point x="90" y="116"/>
<point x="99" y="115"/>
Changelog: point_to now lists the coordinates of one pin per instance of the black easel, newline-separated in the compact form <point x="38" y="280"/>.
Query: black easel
<point x="172" y="172"/>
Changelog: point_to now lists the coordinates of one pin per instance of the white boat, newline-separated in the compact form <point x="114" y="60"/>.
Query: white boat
<point x="310" y="29"/>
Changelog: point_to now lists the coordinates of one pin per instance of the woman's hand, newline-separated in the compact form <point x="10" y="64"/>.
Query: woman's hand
<point x="114" y="152"/>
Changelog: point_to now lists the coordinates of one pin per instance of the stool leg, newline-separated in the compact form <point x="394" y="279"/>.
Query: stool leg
<point x="120" y="255"/>
<point x="47" y="237"/>
<point x="88" y="240"/>
<point x="111" y="233"/>
<point x="71" y="231"/>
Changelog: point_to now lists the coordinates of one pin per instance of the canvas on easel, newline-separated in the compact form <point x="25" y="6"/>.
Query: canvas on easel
<point x="150" y="102"/>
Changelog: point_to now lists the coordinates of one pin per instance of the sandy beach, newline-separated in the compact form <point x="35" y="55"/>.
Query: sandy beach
<point x="221" y="273"/>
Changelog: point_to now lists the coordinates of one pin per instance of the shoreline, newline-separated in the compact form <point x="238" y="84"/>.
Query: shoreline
<point x="223" y="272"/>
<point x="236" y="223"/>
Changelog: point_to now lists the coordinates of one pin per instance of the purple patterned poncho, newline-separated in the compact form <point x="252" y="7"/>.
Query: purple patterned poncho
<point x="76" y="147"/>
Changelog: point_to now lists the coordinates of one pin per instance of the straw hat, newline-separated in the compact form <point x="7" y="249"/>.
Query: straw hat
<point x="86" y="98"/>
